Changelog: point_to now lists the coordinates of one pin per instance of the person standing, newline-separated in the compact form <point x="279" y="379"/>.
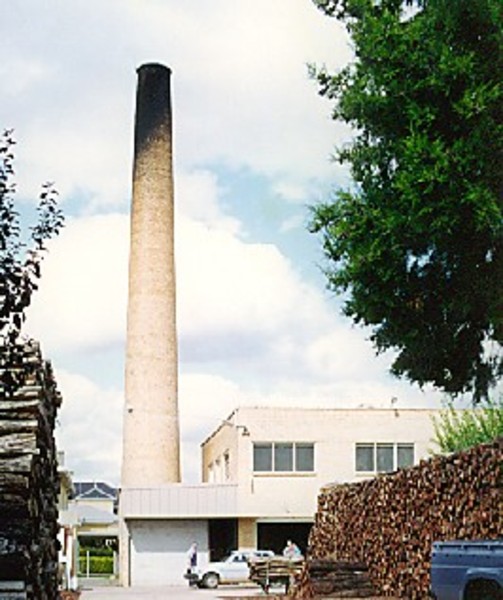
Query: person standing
<point x="291" y="550"/>
<point x="192" y="564"/>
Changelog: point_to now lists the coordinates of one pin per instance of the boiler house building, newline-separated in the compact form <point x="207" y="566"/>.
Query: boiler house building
<point x="262" y="470"/>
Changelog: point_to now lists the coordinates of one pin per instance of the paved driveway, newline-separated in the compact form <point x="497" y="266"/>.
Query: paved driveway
<point x="174" y="592"/>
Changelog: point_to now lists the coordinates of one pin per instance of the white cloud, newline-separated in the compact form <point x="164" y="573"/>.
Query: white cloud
<point x="227" y="285"/>
<point x="241" y="94"/>
<point x="90" y="427"/>
<point x="83" y="161"/>
<point x="260" y="109"/>
<point x="22" y="74"/>
<point x="81" y="302"/>
<point x="340" y="352"/>
<point x="291" y="190"/>
<point x="197" y="197"/>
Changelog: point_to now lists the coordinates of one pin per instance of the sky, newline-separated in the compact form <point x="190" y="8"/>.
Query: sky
<point x="252" y="152"/>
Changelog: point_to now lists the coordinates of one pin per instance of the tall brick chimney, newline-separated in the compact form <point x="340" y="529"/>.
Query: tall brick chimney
<point x="151" y="447"/>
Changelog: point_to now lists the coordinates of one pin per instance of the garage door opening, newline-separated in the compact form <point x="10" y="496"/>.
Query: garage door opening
<point x="223" y="537"/>
<point x="158" y="549"/>
<point x="273" y="536"/>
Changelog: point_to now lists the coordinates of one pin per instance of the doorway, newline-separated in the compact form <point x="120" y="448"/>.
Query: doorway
<point x="223" y="537"/>
<point x="273" y="536"/>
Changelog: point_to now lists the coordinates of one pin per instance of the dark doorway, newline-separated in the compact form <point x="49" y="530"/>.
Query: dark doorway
<point x="223" y="534"/>
<point x="273" y="536"/>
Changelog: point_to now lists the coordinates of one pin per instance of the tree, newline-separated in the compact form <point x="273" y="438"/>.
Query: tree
<point x="19" y="263"/>
<point x="416" y="244"/>
<point x="459" y="430"/>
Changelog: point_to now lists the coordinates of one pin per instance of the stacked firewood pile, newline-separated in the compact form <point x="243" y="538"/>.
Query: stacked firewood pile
<point x="29" y="482"/>
<point x="340" y="579"/>
<point x="302" y="585"/>
<point x="277" y="570"/>
<point x="390" y="522"/>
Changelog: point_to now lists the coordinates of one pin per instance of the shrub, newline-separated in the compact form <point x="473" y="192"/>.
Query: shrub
<point x="98" y="565"/>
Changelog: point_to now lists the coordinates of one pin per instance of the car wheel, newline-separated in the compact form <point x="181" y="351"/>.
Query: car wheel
<point x="210" y="581"/>
<point x="484" y="590"/>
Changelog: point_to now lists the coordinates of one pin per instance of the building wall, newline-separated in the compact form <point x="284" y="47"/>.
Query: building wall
<point x="334" y="432"/>
<point x="104" y="504"/>
<point x="106" y="530"/>
<point x="247" y="533"/>
<point x="215" y="468"/>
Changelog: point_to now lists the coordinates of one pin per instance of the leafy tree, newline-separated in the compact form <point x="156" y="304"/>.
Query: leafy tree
<point x="19" y="262"/>
<point x="416" y="243"/>
<point x="459" y="430"/>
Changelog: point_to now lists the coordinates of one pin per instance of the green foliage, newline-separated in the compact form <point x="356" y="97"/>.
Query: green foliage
<point x="416" y="245"/>
<point x="459" y="430"/>
<point x="98" y="565"/>
<point x="19" y="263"/>
<point x="96" y="551"/>
<point x="98" y="545"/>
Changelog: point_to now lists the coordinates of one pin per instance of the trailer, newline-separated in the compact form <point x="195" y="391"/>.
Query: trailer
<point x="276" y="571"/>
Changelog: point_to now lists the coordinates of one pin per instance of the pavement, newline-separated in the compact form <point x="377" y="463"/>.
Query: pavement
<point x="224" y="592"/>
<point x="100" y="592"/>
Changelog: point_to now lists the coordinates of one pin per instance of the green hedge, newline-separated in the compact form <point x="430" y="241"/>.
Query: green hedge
<point x="105" y="551"/>
<point x="98" y="565"/>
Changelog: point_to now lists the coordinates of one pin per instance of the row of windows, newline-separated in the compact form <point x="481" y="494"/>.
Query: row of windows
<point x="383" y="458"/>
<point x="283" y="456"/>
<point x="219" y="471"/>
<point x="299" y="457"/>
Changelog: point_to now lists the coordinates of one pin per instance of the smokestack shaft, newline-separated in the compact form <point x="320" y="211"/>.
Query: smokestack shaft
<point x="151" y="454"/>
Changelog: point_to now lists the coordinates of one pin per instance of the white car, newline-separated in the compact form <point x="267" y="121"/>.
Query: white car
<point x="233" y="569"/>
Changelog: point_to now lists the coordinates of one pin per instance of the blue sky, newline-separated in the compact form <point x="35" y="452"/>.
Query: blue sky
<point x="252" y="151"/>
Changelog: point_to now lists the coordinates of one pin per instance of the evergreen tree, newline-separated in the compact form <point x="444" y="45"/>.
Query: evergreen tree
<point x="416" y="244"/>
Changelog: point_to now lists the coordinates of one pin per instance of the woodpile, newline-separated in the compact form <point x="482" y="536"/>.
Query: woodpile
<point x="332" y="579"/>
<point x="389" y="522"/>
<point x="340" y="579"/>
<point x="302" y="586"/>
<point x="29" y="481"/>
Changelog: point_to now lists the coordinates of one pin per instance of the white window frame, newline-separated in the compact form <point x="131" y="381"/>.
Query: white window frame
<point x="374" y="445"/>
<point x="294" y="470"/>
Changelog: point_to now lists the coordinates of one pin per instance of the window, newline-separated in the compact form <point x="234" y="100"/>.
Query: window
<point x="383" y="457"/>
<point x="304" y="457"/>
<point x="405" y="455"/>
<point x="227" y="471"/>
<point x="283" y="457"/>
<point x="239" y="558"/>
<point x="262" y="457"/>
<point x="365" y="457"/>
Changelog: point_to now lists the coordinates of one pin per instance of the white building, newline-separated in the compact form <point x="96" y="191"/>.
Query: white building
<point x="67" y="534"/>
<point x="262" y="470"/>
